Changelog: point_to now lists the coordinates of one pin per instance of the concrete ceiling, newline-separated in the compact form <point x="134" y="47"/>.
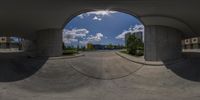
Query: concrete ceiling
<point x="33" y="15"/>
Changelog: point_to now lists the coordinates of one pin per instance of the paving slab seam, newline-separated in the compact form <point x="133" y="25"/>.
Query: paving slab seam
<point x="99" y="78"/>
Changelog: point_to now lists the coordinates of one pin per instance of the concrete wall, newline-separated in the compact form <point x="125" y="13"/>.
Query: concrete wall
<point x="49" y="42"/>
<point x="162" y="43"/>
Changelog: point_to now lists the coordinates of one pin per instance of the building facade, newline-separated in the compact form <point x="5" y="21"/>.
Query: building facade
<point x="4" y="42"/>
<point x="7" y="42"/>
<point x="191" y="43"/>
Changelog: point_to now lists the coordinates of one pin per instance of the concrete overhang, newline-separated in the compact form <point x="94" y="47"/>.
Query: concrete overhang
<point x="169" y="22"/>
<point x="28" y="16"/>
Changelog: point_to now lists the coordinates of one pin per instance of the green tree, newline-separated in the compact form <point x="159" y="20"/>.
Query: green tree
<point x="134" y="45"/>
<point x="110" y="46"/>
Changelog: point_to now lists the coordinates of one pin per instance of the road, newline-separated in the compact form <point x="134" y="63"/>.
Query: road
<point x="102" y="75"/>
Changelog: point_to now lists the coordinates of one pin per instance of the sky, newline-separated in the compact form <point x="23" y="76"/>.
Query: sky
<point x="14" y="39"/>
<point x="100" y="27"/>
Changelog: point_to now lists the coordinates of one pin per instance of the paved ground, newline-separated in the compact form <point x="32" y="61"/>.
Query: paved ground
<point x="16" y="66"/>
<point x="104" y="65"/>
<point x="63" y="79"/>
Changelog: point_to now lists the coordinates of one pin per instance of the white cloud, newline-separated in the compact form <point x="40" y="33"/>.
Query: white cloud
<point x="122" y="35"/>
<point x="92" y="38"/>
<point x="136" y="28"/>
<point x="74" y="40"/>
<point x="97" y="18"/>
<point x="98" y="14"/>
<point x="97" y="37"/>
<point x="81" y="16"/>
<point x="84" y="42"/>
<point x="72" y="35"/>
<point x="68" y="41"/>
<point x="101" y="12"/>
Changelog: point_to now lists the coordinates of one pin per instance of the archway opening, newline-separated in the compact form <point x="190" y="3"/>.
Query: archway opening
<point x="103" y="37"/>
<point x="101" y="30"/>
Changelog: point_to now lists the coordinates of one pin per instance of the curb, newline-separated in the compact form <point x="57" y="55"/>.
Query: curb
<point x="148" y="62"/>
<point x="66" y="57"/>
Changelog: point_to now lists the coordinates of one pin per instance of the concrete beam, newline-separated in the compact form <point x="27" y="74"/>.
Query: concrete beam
<point x="169" y="22"/>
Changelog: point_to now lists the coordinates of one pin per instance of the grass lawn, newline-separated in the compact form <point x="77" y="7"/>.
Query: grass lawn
<point x="126" y="52"/>
<point x="70" y="52"/>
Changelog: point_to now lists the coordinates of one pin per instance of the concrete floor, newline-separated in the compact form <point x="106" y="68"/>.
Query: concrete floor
<point x="104" y="65"/>
<point x="71" y="79"/>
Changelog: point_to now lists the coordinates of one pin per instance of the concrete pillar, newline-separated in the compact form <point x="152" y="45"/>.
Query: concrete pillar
<point x="162" y="43"/>
<point x="28" y="45"/>
<point x="49" y="42"/>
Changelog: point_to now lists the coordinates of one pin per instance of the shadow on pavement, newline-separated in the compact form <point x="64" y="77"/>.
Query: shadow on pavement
<point x="188" y="69"/>
<point x="57" y="76"/>
<point x="18" y="66"/>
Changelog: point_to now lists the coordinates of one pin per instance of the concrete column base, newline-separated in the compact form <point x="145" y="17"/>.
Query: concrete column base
<point x="162" y="43"/>
<point x="49" y="42"/>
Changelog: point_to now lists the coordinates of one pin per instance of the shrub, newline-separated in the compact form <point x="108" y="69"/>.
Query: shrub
<point x="69" y="52"/>
<point x="139" y="53"/>
<point x="134" y="46"/>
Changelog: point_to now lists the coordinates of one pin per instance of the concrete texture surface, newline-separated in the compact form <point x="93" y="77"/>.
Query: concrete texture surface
<point x="57" y="80"/>
<point x="49" y="42"/>
<point x="35" y="15"/>
<point x="162" y="43"/>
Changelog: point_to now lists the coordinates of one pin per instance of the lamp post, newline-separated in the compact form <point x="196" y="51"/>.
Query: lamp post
<point x="78" y="45"/>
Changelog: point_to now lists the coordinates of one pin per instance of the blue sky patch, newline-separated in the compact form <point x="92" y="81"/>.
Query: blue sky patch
<point x="100" y="27"/>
